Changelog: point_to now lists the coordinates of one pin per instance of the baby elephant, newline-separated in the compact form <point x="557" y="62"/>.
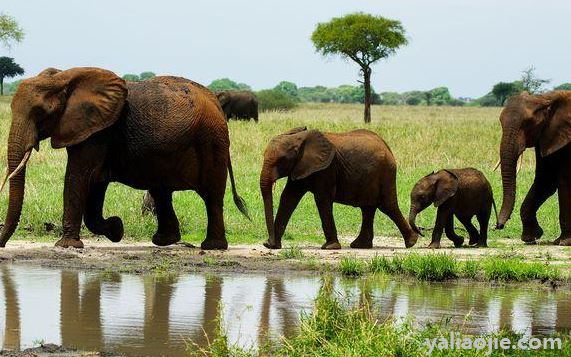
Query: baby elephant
<point x="463" y="193"/>
<point x="356" y="168"/>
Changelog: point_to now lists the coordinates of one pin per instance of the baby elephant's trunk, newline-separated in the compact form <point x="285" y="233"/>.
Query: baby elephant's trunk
<point x="412" y="220"/>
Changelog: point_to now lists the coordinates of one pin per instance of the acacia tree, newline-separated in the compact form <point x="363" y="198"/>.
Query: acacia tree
<point x="9" y="31"/>
<point x="362" y="38"/>
<point x="8" y="69"/>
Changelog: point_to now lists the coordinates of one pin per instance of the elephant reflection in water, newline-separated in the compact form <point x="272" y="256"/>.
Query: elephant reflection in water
<point x="275" y="289"/>
<point x="12" y="328"/>
<point x="80" y="315"/>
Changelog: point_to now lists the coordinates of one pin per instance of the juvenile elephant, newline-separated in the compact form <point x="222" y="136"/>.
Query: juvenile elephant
<point x="239" y="104"/>
<point x="356" y="168"/>
<point x="542" y="122"/>
<point x="165" y="134"/>
<point x="463" y="193"/>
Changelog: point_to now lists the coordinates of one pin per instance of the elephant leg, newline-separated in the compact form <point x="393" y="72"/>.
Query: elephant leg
<point x="472" y="231"/>
<point x="442" y="217"/>
<point x="449" y="230"/>
<point x="390" y="207"/>
<point x="112" y="227"/>
<point x="541" y="189"/>
<point x="289" y="200"/>
<point x="565" y="213"/>
<point x="168" y="230"/>
<point x="484" y="221"/>
<point x="325" y="208"/>
<point x="365" y="237"/>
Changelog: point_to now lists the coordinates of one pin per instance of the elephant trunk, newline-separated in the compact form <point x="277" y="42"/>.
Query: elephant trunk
<point x="509" y="154"/>
<point x="412" y="219"/>
<point x="267" y="179"/>
<point x="20" y="143"/>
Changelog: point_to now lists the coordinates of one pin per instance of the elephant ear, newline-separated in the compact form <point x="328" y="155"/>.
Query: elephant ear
<point x="557" y="132"/>
<point x="317" y="154"/>
<point x="95" y="98"/>
<point x="446" y="187"/>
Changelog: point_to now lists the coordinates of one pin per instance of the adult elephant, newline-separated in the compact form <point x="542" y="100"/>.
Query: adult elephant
<point x="165" y="134"/>
<point x="239" y="104"/>
<point x="542" y="122"/>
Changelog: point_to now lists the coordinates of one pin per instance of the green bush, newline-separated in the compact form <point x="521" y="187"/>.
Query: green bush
<point x="272" y="100"/>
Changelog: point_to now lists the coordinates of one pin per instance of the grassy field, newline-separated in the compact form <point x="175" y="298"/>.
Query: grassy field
<point x="423" y="139"/>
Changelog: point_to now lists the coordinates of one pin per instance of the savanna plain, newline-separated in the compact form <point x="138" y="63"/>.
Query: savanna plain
<point x="423" y="139"/>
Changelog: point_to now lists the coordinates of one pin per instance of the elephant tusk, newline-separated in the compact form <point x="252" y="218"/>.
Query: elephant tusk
<point x="520" y="163"/>
<point x="497" y="165"/>
<point x="17" y="170"/>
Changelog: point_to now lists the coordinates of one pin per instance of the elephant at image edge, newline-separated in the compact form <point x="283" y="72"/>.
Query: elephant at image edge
<point x="356" y="168"/>
<point x="165" y="134"/>
<point x="542" y="122"/>
<point x="239" y="104"/>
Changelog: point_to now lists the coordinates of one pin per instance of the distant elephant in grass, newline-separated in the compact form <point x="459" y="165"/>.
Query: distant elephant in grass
<point x="355" y="168"/>
<point x="544" y="122"/>
<point x="239" y="104"/>
<point x="463" y="193"/>
<point x="165" y="134"/>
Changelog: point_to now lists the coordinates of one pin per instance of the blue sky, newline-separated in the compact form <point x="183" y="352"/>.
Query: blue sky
<point x="465" y="45"/>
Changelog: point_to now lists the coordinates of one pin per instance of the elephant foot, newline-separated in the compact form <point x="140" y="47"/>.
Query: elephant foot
<point x="411" y="240"/>
<point x="114" y="229"/>
<point x="458" y="241"/>
<point x="211" y="244"/>
<point x="331" y="245"/>
<point x="362" y="243"/>
<point x="270" y="245"/>
<point x="69" y="242"/>
<point x="434" y="245"/>
<point x="164" y="239"/>
<point x="532" y="234"/>
<point x="564" y="241"/>
<point x="473" y="241"/>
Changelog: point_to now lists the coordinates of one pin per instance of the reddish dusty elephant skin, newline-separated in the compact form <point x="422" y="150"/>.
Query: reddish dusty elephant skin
<point x="463" y="193"/>
<point x="544" y="123"/>
<point x="239" y="104"/>
<point x="356" y="168"/>
<point x="165" y="134"/>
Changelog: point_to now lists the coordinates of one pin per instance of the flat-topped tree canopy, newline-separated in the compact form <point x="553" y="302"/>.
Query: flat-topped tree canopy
<point x="362" y="38"/>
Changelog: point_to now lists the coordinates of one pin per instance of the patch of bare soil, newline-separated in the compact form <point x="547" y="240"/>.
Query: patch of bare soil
<point x="144" y="257"/>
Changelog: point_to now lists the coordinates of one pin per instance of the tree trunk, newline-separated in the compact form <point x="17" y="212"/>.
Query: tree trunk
<point x="367" y="84"/>
<point x="1" y="85"/>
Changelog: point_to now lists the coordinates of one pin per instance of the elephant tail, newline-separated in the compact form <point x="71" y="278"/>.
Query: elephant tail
<point x="238" y="201"/>
<point x="495" y="209"/>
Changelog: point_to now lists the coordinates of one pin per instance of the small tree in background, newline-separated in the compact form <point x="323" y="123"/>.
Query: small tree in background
<point x="8" y="69"/>
<point x="222" y="84"/>
<point x="531" y="83"/>
<point x="146" y="75"/>
<point x="131" y="77"/>
<point x="288" y="88"/>
<point x="564" y="86"/>
<point x="362" y="38"/>
<point x="503" y="90"/>
<point x="10" y="31"/>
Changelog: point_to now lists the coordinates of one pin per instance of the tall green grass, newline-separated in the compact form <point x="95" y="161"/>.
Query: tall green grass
<point x="440" y="267"/>
<point x="422" y="139"/>
<point x="334" y="328"/>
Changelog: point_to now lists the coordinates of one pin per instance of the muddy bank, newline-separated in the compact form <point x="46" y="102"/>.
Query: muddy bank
<point x="51" y="350"/>
<point x="143" y="257"/>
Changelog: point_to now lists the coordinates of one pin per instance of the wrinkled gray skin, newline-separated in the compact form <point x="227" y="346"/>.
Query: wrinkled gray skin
<point x="239" y="104"/>
<point x="463" y="193"/>
<point x="355" y="168"/>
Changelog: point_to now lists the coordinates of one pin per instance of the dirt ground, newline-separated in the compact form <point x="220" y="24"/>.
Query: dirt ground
<point x="142" y="257"/>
